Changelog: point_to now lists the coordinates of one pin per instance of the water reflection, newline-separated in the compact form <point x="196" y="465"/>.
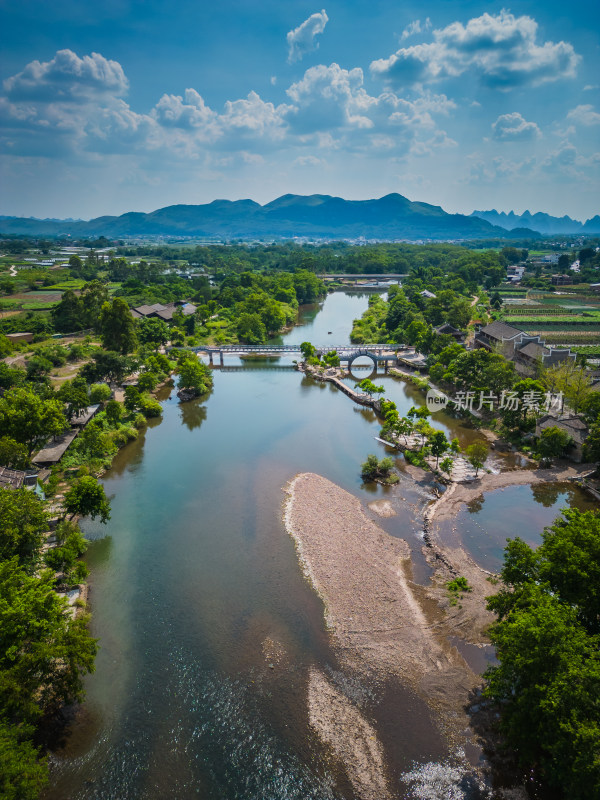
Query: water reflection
<point x="484" y="525"/>
<point x="195" y="575"/>
<point x="194" y="413"/>
<point x="547" y="494"/>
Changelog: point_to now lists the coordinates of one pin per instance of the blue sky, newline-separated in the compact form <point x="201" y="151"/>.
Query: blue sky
<point x="136" y="104"/>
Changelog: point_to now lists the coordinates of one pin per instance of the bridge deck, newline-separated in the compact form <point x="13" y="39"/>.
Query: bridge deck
<point x="290" y="348"/>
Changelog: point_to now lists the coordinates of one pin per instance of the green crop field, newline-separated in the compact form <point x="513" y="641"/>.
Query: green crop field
<point x="590" y="350"/>
<point x="537" y="311"/>
<point x="568" y="337"/>
<point x="63" y="286"/>
<point x="566" y="319"/>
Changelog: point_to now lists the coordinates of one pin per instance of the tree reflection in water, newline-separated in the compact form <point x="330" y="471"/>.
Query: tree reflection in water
<point x="193" y="414"/>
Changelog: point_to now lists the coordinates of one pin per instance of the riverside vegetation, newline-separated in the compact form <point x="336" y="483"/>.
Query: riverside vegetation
<point x="547" y="680"/>
<point x="251" y="299"/>
<point x="46" y="648"/>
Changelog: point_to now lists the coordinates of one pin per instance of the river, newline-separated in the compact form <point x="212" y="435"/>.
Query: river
<point x="207" y="628"/>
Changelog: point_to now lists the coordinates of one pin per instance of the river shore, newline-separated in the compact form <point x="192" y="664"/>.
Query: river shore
<point x="449" y="503"/>
<point x="384" y="626"/>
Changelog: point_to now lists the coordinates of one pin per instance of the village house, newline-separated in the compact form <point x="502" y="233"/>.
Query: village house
<point x="20" y="337"/>
<point x="164" y="312"/>
<point x="16" y="478"/>
<point x="497" y="337"/>
<point x="528" y="353"/>
<point x="449" y="330"/>
<point x="561" y="280"/>
<point x="572" y="424"/>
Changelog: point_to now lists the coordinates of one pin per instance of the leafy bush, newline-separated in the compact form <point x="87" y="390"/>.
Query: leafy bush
<point x="100" y="393"/>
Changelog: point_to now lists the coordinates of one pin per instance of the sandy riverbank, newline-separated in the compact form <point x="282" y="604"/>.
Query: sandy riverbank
<point x="384" y="626"/>
<point x="380" y="619"/>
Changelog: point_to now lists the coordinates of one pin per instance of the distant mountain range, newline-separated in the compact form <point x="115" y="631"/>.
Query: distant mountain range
<point x="312" y="216"/>
<point x="315" y="216"/>
<point x="543" y="223"/>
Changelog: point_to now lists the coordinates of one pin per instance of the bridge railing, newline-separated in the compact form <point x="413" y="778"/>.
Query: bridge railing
<point x="292" y="348"/>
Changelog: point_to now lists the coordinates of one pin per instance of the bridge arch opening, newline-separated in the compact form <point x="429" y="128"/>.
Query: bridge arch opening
<point x="362" y="366"/>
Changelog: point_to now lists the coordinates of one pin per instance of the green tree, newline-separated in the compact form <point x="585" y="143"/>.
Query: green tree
<point x="552" y="443"/>
<point x="476" y="455"/>
<point x="331" y="359"/>
<point x="93" y="297"/>
<point x="68" y="315"/>
<point x="546" y="637"/>
<point x="87" y="498"/>
<point x="251" y="329"/>
<point x="153" y="331"/>
<point x="523" y="415"/>
<point x="147" y="381"/>
<point x="114" y="412"/>
<point x="117" y="327"/>
<point x="23" y="774"/>
<point x="590" y="407"/>
<point x="367" y="385"/>
<point x="420" y="413"/>
<point x="107" y="365"/>
<point x="100" y="393"/>
<point x="447" y="465"/>
<point x="591" y="448"/>
<point x="75" y="397"/>
<point x="132" y="398"/>
<point x="23" y="522"/>
<point x="425" y="430"/>
<point x="439" y="445"/>
<point x="573" y="381"/>
<point x="403" y="427"/>
<point x="373" y="468"/>
<point x="308" y="350"/>
<point x="193" y="374"/>
<point x="10" y="376"/>
<point x="38" y="368"/>
<point x="29" y="419"/>
<point x="65" y="556"/>
<point x="13" y="454"/>
<point x="45" y="652"/>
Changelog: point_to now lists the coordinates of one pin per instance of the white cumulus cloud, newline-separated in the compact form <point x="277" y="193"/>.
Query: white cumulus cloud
<point x="514" y="128"/>
<point x="416" y="26"/>
<point x="502" y="50"/>
<point x="302" y="39"/>
<point x="67" y="78"/>
<point x="584" y="115"/>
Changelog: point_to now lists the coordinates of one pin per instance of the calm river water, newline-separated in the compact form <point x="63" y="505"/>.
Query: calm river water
<point x="206" y="626"/>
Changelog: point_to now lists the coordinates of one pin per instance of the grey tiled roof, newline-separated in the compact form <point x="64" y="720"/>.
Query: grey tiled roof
<point x="534" y="350"/>
<point x="500" y="330"/>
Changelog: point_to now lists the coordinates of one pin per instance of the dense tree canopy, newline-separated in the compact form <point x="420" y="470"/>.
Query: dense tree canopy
<point x="30" y="419"/>
<point x="548" y="644"/>
<point x="117" y="327"/>
<point x="23" y="521"/>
